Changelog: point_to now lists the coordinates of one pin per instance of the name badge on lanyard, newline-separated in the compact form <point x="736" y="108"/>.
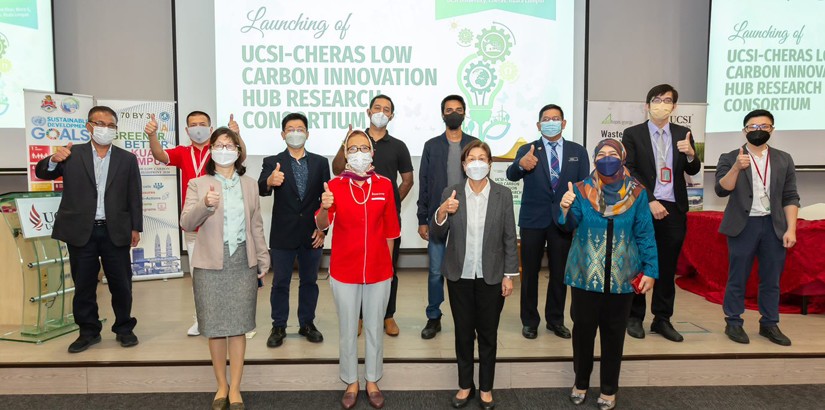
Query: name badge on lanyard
<point x="665" y="175"/>
<point x="198" y="167"/>
<point x="764" y="198"/>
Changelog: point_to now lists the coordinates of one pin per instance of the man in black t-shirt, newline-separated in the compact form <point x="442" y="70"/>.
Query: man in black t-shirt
<point x="391" y="158"/>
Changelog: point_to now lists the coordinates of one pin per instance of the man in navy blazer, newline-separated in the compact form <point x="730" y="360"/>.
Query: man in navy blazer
<point x="296" y="178"/>
<point x="546" y="166"/>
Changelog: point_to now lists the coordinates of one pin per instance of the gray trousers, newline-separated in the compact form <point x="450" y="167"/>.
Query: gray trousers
<point x="350" y="299"/>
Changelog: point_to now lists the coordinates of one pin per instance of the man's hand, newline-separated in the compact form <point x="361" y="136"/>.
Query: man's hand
<point x="424" y="232"/>
<point x="318" y="238"/>
<point x="151" y="128"/>
<point x="327" y="199"/>
<point x="212" y="198"/>
<point x="62" y="153"/>
<point x="529" y="160"/>
<point x="658" y="210"/>
<point x="684" y="146"/>
<point x="506" y="286"/>
<point x="135" y="238"/>
<point x="276" y="178"/>
<point x="789" y="239"/>
<point x="743" y="161"/>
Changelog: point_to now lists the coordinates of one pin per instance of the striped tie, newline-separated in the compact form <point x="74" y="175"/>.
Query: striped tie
<point x="554" y="165"/>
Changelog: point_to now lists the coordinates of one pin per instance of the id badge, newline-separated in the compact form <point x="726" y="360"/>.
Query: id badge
<point x="665" y="175"/>
<point x="766" y="202"/>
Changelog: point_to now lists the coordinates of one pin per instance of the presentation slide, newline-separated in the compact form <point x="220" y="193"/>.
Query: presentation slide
<point x="328" y="58"/>
<point x="767" y="54"/>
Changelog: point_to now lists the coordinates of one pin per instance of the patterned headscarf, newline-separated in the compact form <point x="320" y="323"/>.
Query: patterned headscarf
<point x="611" y="195"/>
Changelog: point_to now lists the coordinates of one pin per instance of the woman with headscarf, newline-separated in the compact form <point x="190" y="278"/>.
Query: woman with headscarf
<point x="360" y="206"/>
<point x="613" y="244"/>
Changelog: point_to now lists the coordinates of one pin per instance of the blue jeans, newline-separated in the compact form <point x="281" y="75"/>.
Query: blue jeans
<point x="435" y="281"/>
<point x="309" y="260"/>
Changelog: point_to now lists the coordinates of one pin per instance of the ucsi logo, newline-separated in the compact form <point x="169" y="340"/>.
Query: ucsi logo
<point x="40" y="221"/>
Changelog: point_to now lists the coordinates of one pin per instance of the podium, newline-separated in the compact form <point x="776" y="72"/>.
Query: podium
<point x="37" y="287"/>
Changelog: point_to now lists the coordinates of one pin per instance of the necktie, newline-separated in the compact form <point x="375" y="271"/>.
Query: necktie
<point x="662" y="148"/>
<point x="555" y="169"/>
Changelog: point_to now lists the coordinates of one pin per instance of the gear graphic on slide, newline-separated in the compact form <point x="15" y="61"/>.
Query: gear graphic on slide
<point x="465" y="37"/>
<point x="479" y="77"/>
<point x="4" y="44"/>
<point x="493" y="44"/>
<point x="509" y="71"/>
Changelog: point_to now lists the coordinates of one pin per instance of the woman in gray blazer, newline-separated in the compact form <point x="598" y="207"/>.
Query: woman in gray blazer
<point x="476" y="219"/>
<point x="230" y="256"/>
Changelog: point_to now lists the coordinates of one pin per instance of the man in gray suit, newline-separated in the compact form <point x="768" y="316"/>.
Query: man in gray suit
<point x="760" y="219"/>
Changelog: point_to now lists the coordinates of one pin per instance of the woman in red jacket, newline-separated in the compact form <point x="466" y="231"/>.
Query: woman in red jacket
<point x="360" y="206"/>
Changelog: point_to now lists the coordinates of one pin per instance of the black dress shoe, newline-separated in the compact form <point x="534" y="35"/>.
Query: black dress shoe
<point x="635" y="329"/>
<point x="276" y="337"/>
<point x="774" y="335"/>
<point x="486" y="405"/>
<point x="433" y="326"/>
<point x="459" y="403"/>
<point x="529" y="332"/>
<point x="737" y="334"/>
<point x="127" y="340"/>
<point x="560" y="331"/>
<point x="82" y="343"/>
<point x="311" y="333"/>
<point x="665" y="328"/>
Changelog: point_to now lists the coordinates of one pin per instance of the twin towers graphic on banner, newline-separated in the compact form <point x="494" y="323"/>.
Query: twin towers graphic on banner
<point x="162" y="262"/>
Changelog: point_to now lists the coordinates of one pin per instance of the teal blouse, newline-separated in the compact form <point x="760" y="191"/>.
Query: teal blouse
<point x="234" y="216"/>
<point x="634" y="245"/>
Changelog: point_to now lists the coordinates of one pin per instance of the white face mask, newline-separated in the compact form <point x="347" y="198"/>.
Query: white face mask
<point x="198" y="134"/>
<point x="379" y="119"/>
<point x="103" y="135"/>
<point x="359" y="161"/>
<point x="224" y="157"/>
<point x="296" y="139"/>
<point x="477" y="170"/>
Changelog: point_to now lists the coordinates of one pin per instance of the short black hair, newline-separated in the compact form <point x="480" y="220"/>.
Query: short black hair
<point x="102" y="108"/>
<point x="239" y="167"/>
<point x="661" y="89"/>
<point x="453" y="97"/>
<point x="194" y="113"/>
<point x="294" y="116"/>
<point x="757" y="113"/>
<point x="550" y="107"/>
<point x="392" y="104"/>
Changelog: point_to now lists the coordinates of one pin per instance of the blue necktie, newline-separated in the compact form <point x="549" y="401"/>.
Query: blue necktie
<point x="554" y="165"/>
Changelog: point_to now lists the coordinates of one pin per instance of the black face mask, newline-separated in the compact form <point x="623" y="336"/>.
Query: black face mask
<point x="758" y="137"/>
<point x="454" y="120"/>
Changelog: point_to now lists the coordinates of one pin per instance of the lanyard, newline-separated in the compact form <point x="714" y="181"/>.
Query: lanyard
<point x="762" y="178"/>
<point x="662" y="148"/>
<point x="204" y="157"/>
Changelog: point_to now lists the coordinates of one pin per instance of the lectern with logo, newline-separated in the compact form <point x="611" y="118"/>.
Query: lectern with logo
<point x="37" y="287"/>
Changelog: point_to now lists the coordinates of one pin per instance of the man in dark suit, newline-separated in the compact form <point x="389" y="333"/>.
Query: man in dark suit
<point x="546" y="165"/>
<point x="297" y="179"/>
<point x="658" y="155"/>
<point x="440" y="168"/>
<point x="760" y="219"/>
<point x="100" y="217"/>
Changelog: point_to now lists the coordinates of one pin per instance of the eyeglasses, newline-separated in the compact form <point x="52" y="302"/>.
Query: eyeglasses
<point x="228" y="147"/>
<point x="545" y="119"/>
<point x="353" y="149"/>
<point x="658" y="100"/>
<point x="757" y="127"/>
<point x="103" y="124"/>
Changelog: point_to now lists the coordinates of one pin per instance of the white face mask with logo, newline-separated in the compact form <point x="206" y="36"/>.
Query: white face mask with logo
<point x="103" y="135"/>
<point x="198" y="134"/>
<point x="224" y="157"/>
<point x="477" y="170"/>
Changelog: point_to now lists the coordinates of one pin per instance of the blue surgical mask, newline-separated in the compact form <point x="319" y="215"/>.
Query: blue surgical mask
<point x="608" y="166"/>
<point x="550" y="128"/>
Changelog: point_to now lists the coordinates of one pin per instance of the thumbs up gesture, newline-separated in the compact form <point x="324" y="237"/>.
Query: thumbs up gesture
<point x="568" y="198"/>
<point x="450" y="205"/>
<point x="529" y="160"/>
<point x="62" y="153"/>
<point x="151" y="128"/>
<point x="277" y="177"/>
<point x="233" y="125"/>
<point x="212" y="198"/>
<point x="743" y="161"/>
<point x="327" y="199"/>
<point x="684" y="146"/>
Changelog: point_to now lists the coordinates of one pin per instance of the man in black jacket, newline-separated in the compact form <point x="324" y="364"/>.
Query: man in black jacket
<point x="100" y="218"/>
<point x="297" y="178"/>
<point x="658" y="155"/>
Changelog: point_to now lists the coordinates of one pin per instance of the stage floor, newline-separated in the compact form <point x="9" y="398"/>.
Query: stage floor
<point x="164" y="312"/>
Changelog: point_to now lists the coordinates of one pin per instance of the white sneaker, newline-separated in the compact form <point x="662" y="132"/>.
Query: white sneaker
<point x="193" y="331"/>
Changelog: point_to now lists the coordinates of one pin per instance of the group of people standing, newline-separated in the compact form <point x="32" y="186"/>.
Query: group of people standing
<point x="612" y="235"/>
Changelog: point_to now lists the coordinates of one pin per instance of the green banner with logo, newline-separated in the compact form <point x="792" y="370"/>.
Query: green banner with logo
<point x="19" y="13"/>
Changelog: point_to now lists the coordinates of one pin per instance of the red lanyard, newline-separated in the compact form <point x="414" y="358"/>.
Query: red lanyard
<point x="203" y="155"/>
<point x="762" y="178"/>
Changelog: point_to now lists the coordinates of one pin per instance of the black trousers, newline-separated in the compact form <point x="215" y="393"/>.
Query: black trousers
<point x="394" y="283"/>
<point x="476" y="308"/>
<point x="532" y="250"/>
<point x="85" y="264"/>
<point x="670" y="235"/>
<point x="607" y="312"/>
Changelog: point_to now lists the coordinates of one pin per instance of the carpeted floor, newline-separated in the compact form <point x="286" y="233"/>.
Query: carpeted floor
<point x="794" y="397"/>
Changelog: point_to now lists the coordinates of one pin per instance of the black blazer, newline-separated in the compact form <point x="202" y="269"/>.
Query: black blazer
<point x="641" y="161"/>
<point x="293" y="220"/>
<point x="76" y="215"/>
<point x="432" y="174"/>
<point x="539" y="203"/>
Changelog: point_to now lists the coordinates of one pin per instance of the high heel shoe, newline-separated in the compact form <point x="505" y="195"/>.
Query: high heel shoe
<point x="459" y="403"/>
<point x="577" y="398"/>
<point x="606" y="404"/>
